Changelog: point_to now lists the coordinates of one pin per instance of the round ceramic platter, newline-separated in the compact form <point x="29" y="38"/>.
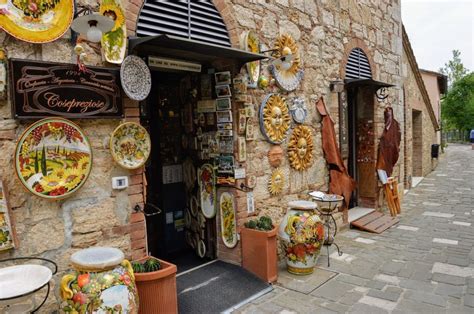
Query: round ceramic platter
<point x="228" y="223"/>
<point x="53" y="158"/>
<point x="201" y="249"/>
<point x="135" y="77"/>
<point x="194" y="206"/>
<point x="114" y="43"/>
<point x="249" y="41"/>
<point x="130" y="145"/>
<point x="207" y="190"/>
<point x="39" y="21"/>
<point x="187" y="218"/>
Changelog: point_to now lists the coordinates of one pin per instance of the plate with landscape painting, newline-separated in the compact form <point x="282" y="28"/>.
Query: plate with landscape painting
<point x="53" y="158"/>
<point x="130" y="145"/>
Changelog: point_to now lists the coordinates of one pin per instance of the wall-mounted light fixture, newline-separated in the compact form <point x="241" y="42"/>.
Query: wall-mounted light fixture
<point x="92" y="26"/>
<point x="336" y="86"/>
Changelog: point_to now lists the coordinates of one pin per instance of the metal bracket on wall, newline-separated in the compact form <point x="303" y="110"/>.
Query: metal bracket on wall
<point x="138" y="209"/>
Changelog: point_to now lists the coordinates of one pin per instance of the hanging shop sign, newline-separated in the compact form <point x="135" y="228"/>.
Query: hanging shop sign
<point x="43" y="89"/>
<point x="165" y="63"/>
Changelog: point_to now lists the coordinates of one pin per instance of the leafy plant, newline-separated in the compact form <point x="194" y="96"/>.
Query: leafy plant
<point x="264" y="223"/>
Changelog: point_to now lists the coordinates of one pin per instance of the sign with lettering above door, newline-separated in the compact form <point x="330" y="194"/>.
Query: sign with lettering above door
<point x="43" y="89"/>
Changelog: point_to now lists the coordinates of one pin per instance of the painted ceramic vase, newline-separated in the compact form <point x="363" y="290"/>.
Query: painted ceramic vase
<point x="302" y="235"/>
<point x="102" y="282"/>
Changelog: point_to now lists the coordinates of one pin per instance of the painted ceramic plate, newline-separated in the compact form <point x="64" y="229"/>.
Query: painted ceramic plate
<point x="6" y="230"/>
<point x="39" y="21"/>
<point x="130" y="145"/>
<point x="194" y="206"/>
<point x="201" y="220"/>
<point x="187" y="219"/>
<point x="53" y="158"/>
<point x="249" y="41"/>
<point x="228" y="223"/>
<point x="114" y="43"/>
<point x="201" y="249"/>
<point x="207" y="190"/>
<point x="135" y="77"/>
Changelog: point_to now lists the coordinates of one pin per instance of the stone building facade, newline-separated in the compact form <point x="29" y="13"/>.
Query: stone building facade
<point x="436" y="85"/>
<point x="421" y="123"/>
<point x="326" y="32"/>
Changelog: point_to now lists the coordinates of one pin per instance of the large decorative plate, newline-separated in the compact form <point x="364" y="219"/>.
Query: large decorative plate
<point x="249" y="41"/>
<point x="135" y="78"/>
<point x="53" y="158"/>
<point x="7" y="240"/>
<point x="287" y="79"/>
<point x="275" y="120"/>
<point x="228" y="223"/>
<point x="207" y="190"/>
<point x="38" y="21"/>
<point x="114" y="43"/>
<point x="130" y="145"/>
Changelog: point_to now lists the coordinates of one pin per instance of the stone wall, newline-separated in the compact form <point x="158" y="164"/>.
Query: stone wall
<point x="96" y="215"/>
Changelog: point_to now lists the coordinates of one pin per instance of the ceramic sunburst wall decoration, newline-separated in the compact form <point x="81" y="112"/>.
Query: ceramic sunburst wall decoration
<point x="300" y="148"/>
<point x="275" y="119"/>
<point x="286" y="68"/>
<point x="276" y="183"/>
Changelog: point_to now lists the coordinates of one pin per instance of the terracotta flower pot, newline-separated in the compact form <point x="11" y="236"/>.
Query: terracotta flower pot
<point x="259" y="253"/>
<point x="157" y="290"/>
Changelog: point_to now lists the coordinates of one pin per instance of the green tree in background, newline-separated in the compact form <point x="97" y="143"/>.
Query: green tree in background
<point x="458" y="105"/>
<point x="454" y="69"/>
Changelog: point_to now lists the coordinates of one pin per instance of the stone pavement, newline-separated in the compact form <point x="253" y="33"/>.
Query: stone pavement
<point x="425" y="264"/>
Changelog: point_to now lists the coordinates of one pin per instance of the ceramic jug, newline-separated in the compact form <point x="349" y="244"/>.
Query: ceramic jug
<point x="302" y="235"/>
<point x="102" y="282"/>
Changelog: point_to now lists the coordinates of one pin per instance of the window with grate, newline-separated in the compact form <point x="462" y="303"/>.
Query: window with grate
<point x="197" y="20"/>
<point x="358" y="66"/>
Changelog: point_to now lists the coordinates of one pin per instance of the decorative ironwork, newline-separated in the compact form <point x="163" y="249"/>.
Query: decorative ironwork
<point x="381" y="94"/>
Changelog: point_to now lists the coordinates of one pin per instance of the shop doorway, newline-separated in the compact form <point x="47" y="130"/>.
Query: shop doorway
<point x="361" y="163"/>
<point x="179" y="233"/>
<point x="417" y="140"/>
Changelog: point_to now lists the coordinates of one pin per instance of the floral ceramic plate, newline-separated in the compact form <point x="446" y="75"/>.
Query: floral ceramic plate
<point x="114" y="43"/>
<point x="6" y="231"/>
<point x="135" y="77"/>
<point x="130" y="145"/>
<point x="207" y="190"/>
<point x="228" y="223"/>
<point x="53" y="158"/>
<point x="38" y="21"/>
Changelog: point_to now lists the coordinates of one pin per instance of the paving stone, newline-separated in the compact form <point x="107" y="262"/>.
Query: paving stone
<point x="425" y="298"/>
<point x="449" y="290"/>
<point x="458" y="261"/>
<point x="333" y="290"/>
<point x="366" y="309"/>
<point x="386" y="295"/>
<point x="353" y="280"/>
<point x="392" y="268"/>
<point x="375" y="284"/>
<point x="417" y="285"/>
<point x="469" y="300"/>
<point x="452" y="280"/>
<point x="336" y="307"/>
<point x="409" y="306"/>
<point x="351" y="298"/>
<point x="380" y="303"/>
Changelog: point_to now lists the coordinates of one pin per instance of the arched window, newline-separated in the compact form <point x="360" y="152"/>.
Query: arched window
<point x="358" y="66"/>
<point x="197" y="20"/>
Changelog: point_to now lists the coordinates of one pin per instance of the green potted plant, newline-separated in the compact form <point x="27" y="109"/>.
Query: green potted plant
<point x="259" y="248"/>
<point x="156" y="285"/>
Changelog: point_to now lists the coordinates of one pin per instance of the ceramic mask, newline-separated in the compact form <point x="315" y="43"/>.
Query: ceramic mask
<point x="275" y="119"/>
<point x="300" y="148"/>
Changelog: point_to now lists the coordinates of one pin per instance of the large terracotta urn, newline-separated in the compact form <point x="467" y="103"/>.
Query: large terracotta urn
<point x="302" y="235"/>
<point x="102" y="282"/>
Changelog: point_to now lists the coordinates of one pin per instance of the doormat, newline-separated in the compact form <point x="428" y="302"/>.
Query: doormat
<point x="218" y="287"/>
<point x="375" y="222"/>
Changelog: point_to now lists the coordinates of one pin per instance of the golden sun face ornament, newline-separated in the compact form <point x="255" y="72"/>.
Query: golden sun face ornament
<point x="286" y="68"/>
<point x="276" y="182"/>
<point x="275" y="119"/>
<point x="300" y="148"/>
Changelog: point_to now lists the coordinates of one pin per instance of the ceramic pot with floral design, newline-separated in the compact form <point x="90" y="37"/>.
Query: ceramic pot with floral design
<point x="102" y="282"/>
<point x="302" y="235"/>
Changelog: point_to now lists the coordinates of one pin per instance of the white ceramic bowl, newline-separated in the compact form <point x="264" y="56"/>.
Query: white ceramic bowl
<point x="20" y="280"/>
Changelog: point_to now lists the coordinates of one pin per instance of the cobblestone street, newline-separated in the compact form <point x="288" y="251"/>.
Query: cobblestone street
<point x="424" y="264"/>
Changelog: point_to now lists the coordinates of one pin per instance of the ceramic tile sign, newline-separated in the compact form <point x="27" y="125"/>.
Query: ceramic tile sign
<point x="6" y="231"/>
<point x="250" y="203"/>
<point x="228" y="222"/>
<point x="207" y="190"/>
<point x="242" y="121"/>
<point x="250" y="130"/>
<point x="242" y="149"/>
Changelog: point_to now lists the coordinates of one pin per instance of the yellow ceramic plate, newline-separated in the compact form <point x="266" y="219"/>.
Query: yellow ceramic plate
<point x="41" y="21"/>
<point x="130" y="145"/>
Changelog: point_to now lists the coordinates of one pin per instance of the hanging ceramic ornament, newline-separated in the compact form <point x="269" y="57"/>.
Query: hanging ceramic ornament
<point x="207" y="190"/>
<point x="300" y="148"/>
<point x="249" y="41"/>
<point x="298" y="110"/>
<point x="135" y="77"/>
<point x="276" y="183"/>
<point x="275" y="156"/>
<point x="275" y="120"/>
<point x="228" y="223"/>
<point x="286" y="67"/>
<point x="38" y="21"/>
<point x="114" y="43"/>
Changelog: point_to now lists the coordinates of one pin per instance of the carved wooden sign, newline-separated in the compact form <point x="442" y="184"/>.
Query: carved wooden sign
<point x="42" y="89"/>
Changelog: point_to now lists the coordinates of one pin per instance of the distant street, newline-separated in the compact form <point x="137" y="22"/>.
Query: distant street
<point x="425" y="264"/>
